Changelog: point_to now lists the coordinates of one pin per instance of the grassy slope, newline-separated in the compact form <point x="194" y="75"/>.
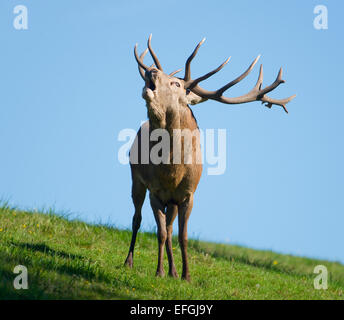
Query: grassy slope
<point x="71" y="259"/>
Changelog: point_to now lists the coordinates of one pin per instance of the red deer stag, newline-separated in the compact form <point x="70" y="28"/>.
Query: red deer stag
<point x="172" y="185"/>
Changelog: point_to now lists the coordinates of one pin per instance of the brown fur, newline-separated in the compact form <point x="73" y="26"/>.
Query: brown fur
<point x="171" y="186"/>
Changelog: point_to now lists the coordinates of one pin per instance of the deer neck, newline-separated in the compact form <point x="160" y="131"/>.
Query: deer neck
<point x="166" y="117"/>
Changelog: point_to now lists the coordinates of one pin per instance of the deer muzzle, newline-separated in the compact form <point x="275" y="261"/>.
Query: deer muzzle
<point x="151" y="77"/>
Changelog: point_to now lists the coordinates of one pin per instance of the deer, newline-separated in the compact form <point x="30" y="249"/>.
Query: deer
<point x="172" y="185"/>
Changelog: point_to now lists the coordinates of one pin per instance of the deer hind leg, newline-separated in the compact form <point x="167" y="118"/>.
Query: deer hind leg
<point x="160" y="218"/>
<point x="138" y="195"/>
<point x="184" y="211"/>
<point x="171" y="213"/>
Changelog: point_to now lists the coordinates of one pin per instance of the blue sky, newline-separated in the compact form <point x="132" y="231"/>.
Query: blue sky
<point x="69" y="85"/>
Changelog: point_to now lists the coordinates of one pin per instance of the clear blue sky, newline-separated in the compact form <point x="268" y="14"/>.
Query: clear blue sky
<point x="69" y="84"/>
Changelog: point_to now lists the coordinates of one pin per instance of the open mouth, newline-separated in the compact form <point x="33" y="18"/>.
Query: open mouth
<point x="150" y="85"/>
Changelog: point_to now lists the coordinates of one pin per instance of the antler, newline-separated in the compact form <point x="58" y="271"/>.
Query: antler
<point x="141" y="69"/>
<point x="155" y="58"/>
<point x="139" y="60"/>
<point x="256" y="94"/>
<point x="174" y="72"/>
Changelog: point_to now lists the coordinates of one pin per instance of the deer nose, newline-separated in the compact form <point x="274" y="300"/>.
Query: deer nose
<point x="152" y="74"/>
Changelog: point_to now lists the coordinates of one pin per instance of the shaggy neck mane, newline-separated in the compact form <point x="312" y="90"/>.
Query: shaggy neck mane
<point x="162" y="117"/>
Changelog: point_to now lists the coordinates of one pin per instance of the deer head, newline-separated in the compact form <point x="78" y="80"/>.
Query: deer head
<point x="166" y="90"/>
<point x="164" y="93"/>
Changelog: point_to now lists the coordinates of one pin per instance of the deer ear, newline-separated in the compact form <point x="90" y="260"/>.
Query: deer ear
<point x="193" y="98"/>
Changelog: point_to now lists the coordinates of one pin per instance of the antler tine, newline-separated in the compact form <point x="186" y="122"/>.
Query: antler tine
<point x="141" y="70"/>
<point x="259" y="83"/>
<point x="187" y="75"/>
<point x="238" y="79"/>
<point x="275" y="84"/>
<point x="175" y="72"/>
<point x="138" y="60"/>
<point x="155" y="58"/>
<point x="192" y="83"/>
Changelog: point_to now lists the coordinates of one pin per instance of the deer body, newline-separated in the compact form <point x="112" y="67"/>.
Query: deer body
<point x="172" y="183"/>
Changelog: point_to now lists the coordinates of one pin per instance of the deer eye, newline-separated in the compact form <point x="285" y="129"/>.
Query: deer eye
<point x="176" y="83"/>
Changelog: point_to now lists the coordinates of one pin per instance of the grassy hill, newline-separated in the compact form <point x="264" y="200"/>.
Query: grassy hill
<point x="73" y="260"/>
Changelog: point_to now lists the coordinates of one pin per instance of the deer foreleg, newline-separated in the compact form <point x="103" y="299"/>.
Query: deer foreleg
<point x="171" y="213"/>
<point x="160" y="218"/>
<point x="184" y="211"/>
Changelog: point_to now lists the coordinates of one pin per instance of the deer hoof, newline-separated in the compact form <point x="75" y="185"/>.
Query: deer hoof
<point x="129" y="262"/>
<point x="160" y="273"/>
<point x="173" y="274"/>
<point x="186" y="278"/>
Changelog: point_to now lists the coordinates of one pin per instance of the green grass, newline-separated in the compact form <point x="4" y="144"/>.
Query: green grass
<point x="74" y="260"/>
